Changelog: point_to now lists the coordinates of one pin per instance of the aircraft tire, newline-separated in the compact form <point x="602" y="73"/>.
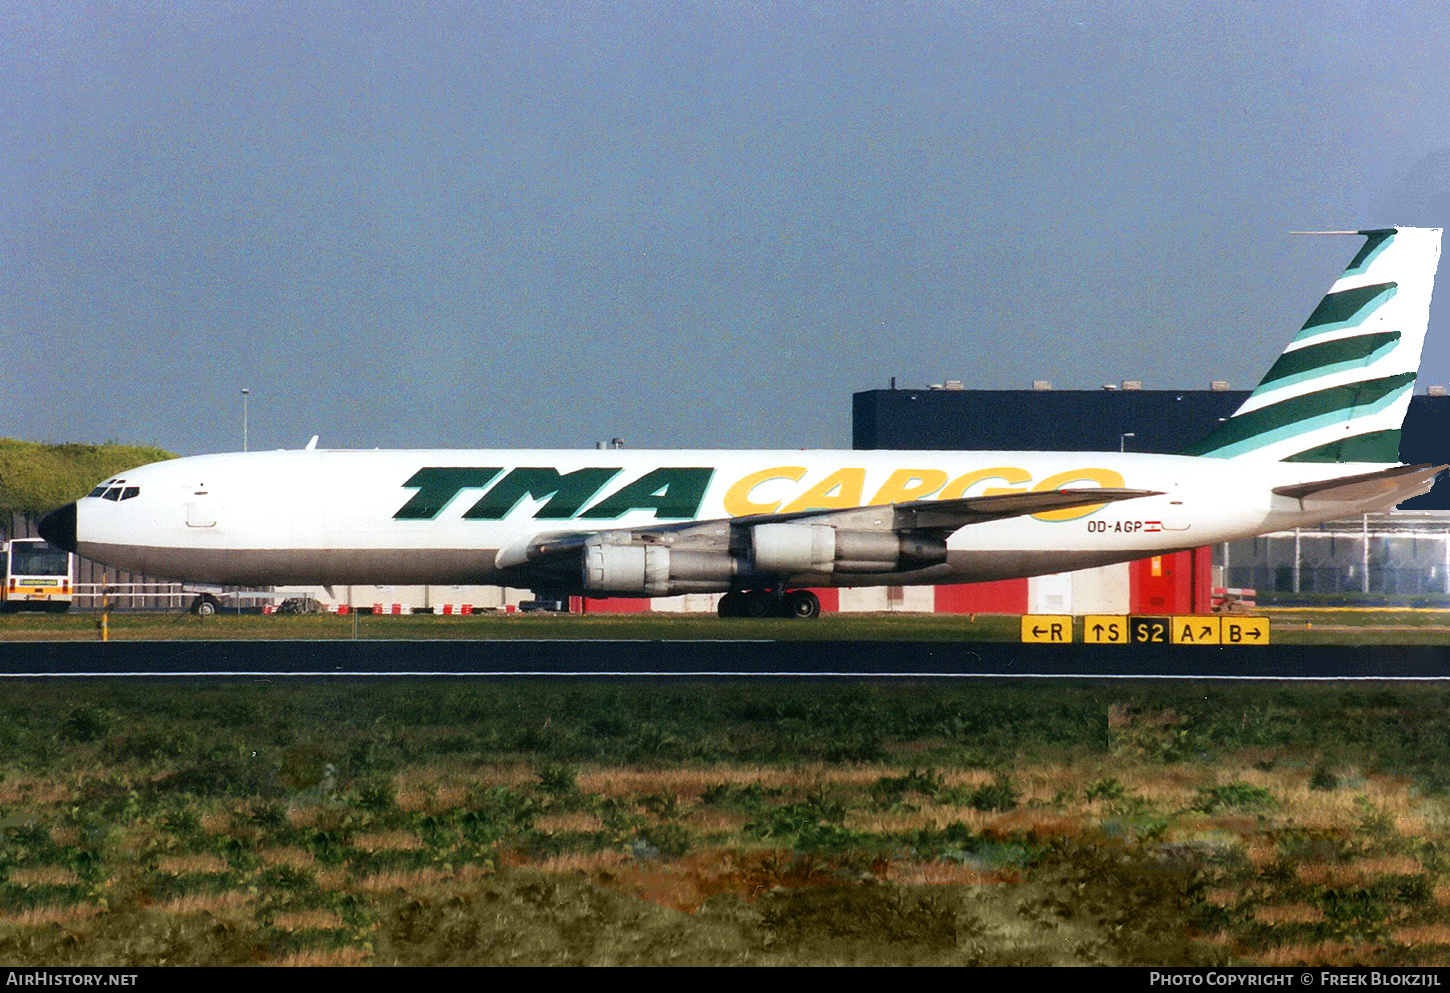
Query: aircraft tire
<point x="802" y="605"/>
<point x="731" y="605"/>
<point x="760" y="603"/>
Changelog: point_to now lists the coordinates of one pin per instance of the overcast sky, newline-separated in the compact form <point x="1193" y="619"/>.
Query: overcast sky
<point x="545" y="224"/>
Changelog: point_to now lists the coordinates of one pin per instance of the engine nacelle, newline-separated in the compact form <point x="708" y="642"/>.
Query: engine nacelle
<point x="654" y="570"/>
<point x="787" y="549"/>
<point x="792" y="548"/>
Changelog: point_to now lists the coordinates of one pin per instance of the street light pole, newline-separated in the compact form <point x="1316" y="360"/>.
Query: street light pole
<point x="1123" y="440"/>
<point x="245" y="393"/>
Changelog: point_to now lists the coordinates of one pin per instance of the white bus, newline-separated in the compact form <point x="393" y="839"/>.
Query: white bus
<point x="37" y="576"/>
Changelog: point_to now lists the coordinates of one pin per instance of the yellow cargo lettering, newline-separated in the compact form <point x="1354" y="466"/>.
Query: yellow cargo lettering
<point x="909" y="484"/>
<point x="841" y="490"/>
<point x="738" y="502"/>
<point x="1006" y="473"/>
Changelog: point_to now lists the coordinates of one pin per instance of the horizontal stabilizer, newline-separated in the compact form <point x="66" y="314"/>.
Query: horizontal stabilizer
<point x="1403" y="482"/>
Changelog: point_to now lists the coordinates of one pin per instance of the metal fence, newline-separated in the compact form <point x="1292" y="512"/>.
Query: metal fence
<point x="1387" y="554"/>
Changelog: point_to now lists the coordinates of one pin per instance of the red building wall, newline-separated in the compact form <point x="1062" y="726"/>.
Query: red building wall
<point x="1006" y="596"/>
<point x="1178" y="583"/>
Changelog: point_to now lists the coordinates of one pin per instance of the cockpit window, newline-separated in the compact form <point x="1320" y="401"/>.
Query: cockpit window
<point x="111" y="490"/>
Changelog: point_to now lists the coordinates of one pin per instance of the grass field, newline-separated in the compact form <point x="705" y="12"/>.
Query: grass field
<point x="693" y="822"/>
<point x="1289" y="626"/>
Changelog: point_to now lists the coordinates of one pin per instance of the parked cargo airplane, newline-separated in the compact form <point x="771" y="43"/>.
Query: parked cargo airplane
<point x="1317" y="440"/>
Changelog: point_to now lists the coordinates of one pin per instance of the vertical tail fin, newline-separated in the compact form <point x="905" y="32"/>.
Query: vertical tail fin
<point x="1339" y="392"/>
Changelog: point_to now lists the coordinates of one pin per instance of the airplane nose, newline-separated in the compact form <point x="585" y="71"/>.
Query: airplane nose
<point x="59" y="527"/>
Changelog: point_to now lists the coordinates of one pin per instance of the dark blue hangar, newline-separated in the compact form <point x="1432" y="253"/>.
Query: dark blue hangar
<point x="1106" y="420"/>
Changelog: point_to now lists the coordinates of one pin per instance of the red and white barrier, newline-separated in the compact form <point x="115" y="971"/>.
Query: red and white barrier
<point x="1230" y="594"/>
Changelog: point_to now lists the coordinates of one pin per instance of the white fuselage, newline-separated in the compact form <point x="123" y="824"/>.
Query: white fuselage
<point x="442" y="516"/>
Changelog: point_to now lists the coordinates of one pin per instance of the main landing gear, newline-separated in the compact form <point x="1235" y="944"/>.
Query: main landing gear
<point x="801" y="604"/>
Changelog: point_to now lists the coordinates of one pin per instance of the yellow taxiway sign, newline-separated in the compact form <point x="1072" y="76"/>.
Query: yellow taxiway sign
<point x="1054" y="629"/>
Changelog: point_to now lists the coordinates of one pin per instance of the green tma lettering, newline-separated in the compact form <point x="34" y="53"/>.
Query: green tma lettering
<point x="439" y="484"/>
<point x="569" y="492"/>
<point x="672" y="493"/>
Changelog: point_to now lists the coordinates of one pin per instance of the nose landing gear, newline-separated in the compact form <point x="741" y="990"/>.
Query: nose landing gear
<point x="802" y="604"/>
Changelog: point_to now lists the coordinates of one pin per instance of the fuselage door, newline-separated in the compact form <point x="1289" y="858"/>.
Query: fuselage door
<point x="201" y="509"/>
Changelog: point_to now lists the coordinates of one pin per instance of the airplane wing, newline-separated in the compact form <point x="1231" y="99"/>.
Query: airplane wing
<point x="951" y="514"/>
<point x="927" y="518"/>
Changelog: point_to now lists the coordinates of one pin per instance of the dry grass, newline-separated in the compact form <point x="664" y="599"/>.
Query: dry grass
<point x="176" y="865"/>
<point x="1162" y="792"/>
<point x="417" y="879"/>
<point x="65" y="835"/>
<point x="42" y="875"/>
<point x="947" y="873"/>
<point x="1240" y="825"/>
<point x="207" y="903"/>
<point x="304" y="920"/>
<point x="1169" y="787"/>
<point x="1322" y="953"/>
<point x="321" y="958"/>
<point x="1388" y="865"/>
<point x="689" y="784"/>
<point x="1422" y="934"/>
<point x="670" y="886"/>
<point x="1035" y="824"/>
<point x="1122" y="716"/>
<point x="1290" y="913"/>
<point x="36" y="792"/>
<point x="431" y="789"/>
<point x="378" y="841"/>
<point x="1261" y="852"/>
<point x="332" y="879"/>
<point x="292" y="858"/>
<point x="709" y="821"/>
<point x="50" y="915"/>
<point x="585" y="862"/>
<point x="1359" y="871"/>
<point x="304" y="817"/>
<point x="1326" y="808"/>
<point x="576" y="820"/>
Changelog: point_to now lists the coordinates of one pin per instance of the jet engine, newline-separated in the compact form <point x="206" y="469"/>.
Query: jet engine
<point x="654" y="570"/>
<point x="786" y="549"/>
